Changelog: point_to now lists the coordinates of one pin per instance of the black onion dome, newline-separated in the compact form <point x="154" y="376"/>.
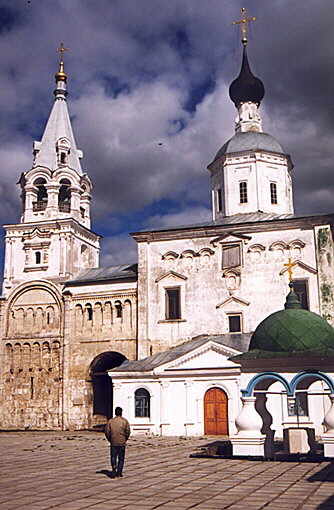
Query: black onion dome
<point x="246" y="87"/>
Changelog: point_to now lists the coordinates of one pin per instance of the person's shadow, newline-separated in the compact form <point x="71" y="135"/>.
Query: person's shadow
<point x="109" y="474"/>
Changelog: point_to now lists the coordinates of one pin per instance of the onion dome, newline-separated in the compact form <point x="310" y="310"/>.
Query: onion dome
<point x="293" y="330"/>
<point x="246" y="87"/>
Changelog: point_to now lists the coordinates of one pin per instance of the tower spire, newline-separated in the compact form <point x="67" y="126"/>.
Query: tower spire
<point x="60" y="76"/>
<point x="246" y="91"/>
<point x="243" y="22"/>
<point x="49" y="152"/>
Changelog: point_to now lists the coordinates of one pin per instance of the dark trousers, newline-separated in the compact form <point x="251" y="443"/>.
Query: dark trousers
<point x="117" y="454"/>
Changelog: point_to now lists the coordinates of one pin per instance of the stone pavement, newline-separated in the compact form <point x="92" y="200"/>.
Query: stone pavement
<point x="60" y="470"/>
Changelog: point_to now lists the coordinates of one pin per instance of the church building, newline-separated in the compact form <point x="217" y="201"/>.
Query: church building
<point x="167" y="338"/>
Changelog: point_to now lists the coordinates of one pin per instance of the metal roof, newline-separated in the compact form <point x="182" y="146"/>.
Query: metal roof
<point x="122" y="272"/>
<point x="237" y="219"/>
<point x="237" y="341"/>
<point x="250" y="141"/>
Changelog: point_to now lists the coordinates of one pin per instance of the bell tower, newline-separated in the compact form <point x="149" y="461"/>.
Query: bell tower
<point x="251" y="173"/>
<point x="53" y="239"/>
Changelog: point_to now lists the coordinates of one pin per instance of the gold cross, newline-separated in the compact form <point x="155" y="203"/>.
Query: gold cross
<point x="62" y="50"/>
<point x="243" y="22"/>
<point x="290" y="265"/>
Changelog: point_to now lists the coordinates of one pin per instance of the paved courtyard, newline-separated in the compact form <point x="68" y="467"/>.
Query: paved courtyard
<point x="66" y="471"/>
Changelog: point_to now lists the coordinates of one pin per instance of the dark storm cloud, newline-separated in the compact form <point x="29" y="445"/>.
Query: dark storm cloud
<point x="148" y="86"/>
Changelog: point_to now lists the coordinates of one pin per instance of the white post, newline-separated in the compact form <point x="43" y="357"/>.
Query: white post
<point x="164" y="407"/>
<point x="328" y="437"/>
<point x="249" y="440"/>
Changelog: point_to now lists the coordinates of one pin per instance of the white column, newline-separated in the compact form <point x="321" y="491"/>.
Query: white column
<point x="189" y="415"/>
<point x="164" y="407"/>
<point x="75" y="202"/>
<point x="30" y="192"/>
<point x="328" y="437"/>
<point x="52" y="207"/>
<point x="62" y="254"/>
<point x="65" y="407"/>
<point x="249" y="440"/>
<point x="85" y="204"/>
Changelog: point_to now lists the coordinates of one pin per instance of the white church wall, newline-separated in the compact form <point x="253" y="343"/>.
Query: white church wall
<point x="194" y="266"/>
<point x="177" y="403"/>
<point x="258" y="170"/>
<point x="50" y="250"/>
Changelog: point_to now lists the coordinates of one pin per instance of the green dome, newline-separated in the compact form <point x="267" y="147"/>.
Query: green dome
<point x="293" y="330"/>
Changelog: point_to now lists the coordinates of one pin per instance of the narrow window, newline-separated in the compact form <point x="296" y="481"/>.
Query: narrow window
<point x="243" y="192"/>
<point x="231" y="256"/>
<point x="82" y="212"/>
<point x="234" y="323"/>
<point x="63" y="158"/>
<point x="42" y="195"/>
<point x="64" y="196"/>
<point x="301" y="289"/>
<point x="173" y="303"/>
<point x="31" y="387"/>
<point x="219" y="200"/>
<point x="89" y="310"/>
<point x="119" y="310"/>
<point x="273" y="193"/>
<point x="142" y="403"/>
<point x="38" y="257"/>
<point x="48" y="318"/>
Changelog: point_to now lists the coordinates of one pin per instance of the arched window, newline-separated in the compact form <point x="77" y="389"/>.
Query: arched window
<point x="142" y="403"/>
<point x="63" y="148"/>
<point x="64" y="197"/>
<point x="243" y="192"/>
<point x="119" y="310"/>
<point x="89" y="312"/>
<point x="42" y="195"/>
<point x="38" y="257"/>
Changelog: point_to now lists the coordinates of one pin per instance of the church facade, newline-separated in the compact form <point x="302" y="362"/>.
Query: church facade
<point x="78" y="338"/>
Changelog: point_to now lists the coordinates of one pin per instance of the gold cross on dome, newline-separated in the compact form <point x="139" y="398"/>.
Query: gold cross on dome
<point x="61" y="50"/>
<point x="243" y="22"/>
<point x="289" y="266"/>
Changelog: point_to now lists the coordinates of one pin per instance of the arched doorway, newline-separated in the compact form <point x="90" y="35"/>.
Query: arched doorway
<point x="102" y="383"/>
<point x="215" y="412"/>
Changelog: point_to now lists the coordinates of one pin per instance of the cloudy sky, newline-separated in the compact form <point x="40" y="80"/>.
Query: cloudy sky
<point x="148" y="84"/>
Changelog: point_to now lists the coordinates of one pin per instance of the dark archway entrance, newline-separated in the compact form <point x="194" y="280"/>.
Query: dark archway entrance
<point x="102" y="383"/>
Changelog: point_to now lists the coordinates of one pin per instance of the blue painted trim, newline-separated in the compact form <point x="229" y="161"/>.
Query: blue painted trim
<point x="318" y="375"/>
<point x="248" y="392"/>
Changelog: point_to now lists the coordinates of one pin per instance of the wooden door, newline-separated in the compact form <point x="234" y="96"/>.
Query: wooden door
<point x="215" y="412"/>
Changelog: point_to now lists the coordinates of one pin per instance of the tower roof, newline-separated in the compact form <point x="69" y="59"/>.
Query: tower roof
<point x="250" y="141"/>
<point x="246" y="87"/>
<point x="58" y="129"/>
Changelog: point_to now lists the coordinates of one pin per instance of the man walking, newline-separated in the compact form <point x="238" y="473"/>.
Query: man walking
<point x="117" y="432"/>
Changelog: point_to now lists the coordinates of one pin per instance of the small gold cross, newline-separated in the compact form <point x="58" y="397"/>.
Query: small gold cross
<point x="61" y="50"/>
<point x="243" y="22"/>
<point x="290" y="265"/>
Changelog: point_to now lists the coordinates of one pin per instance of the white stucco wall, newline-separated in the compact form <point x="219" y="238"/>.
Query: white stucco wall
<point x="258" y="170"/>
<point x="258" y="286"/>
<point x="177" y="403"/>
